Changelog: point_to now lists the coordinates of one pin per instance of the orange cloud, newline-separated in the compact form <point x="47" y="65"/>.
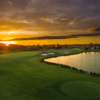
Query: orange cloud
<point x="50" y="20"/>
<point x="93" y="30"/>
<point x="10" y="2"/>
<point x="45" y="19"/>
<point x="64" y="19"/>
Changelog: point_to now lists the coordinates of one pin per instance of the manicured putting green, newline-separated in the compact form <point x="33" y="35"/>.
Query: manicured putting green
<point x="81" y="89"/>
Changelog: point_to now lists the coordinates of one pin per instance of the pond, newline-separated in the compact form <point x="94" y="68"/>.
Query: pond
<point x="89" y="62"/>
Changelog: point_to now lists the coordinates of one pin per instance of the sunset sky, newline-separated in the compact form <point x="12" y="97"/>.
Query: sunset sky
<point x="50" y="21"/>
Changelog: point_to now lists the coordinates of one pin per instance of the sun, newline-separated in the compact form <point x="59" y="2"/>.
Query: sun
<point x="11" y="32"/>
<point x="7" y="43"/>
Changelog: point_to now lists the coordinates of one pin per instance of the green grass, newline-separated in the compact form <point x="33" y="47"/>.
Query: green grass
<point x="24" y="77"/>
<point x="81" y="89"/>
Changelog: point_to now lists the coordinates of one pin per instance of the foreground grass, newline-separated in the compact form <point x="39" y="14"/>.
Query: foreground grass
<point x="24" y="77"/>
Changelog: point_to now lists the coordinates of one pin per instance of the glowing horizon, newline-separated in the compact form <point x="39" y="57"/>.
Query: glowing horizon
<point x="7" y="43"/>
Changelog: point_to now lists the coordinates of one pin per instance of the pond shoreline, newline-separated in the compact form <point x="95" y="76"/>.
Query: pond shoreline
<point x="70" y="67"/>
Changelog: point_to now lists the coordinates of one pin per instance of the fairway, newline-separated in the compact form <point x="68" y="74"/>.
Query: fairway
<point x="24" y="77"/>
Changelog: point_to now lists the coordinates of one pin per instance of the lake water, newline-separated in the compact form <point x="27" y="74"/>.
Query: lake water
<point x="89" y="62"/>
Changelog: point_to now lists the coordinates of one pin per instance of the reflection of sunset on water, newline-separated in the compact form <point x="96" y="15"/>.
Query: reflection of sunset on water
<point x="89" y="61"/>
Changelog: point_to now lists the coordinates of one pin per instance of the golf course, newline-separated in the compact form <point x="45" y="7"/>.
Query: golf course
<point x="23" y="76"/>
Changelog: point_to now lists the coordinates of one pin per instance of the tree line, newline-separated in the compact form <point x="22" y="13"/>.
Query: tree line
<point x="13" y="47"/>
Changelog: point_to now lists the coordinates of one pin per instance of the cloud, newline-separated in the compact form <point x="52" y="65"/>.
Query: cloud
<point x="50" y="20"/>
<point x="94" y="30"/>
<point x="55" y="16"/>
<point x="56" y="37"/>
<point x="10" y="2"/>
<point x="64" y="19"/>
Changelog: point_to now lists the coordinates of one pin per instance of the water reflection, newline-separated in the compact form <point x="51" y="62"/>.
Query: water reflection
<point x="86" y="61"/>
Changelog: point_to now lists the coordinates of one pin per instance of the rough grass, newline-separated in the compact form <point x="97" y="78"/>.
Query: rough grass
<point x="24" y="77"/>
